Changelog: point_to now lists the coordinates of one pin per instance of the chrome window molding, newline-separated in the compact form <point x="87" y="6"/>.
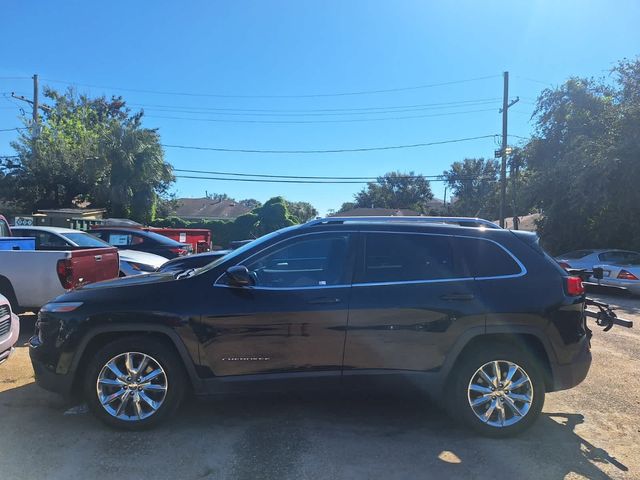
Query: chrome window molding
<point x="523" y="269"/>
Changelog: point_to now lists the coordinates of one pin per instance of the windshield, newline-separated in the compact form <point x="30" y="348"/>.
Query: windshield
<point x="241" y="250"/>
<point x="576" y="254"/>
<point x="85" y="240"/>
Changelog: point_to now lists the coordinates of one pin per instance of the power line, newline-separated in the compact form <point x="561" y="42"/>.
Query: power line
<point x="12" y="129"/>
<point x="314" y="110"/>
<point x="317" y="182"/>
<point x="533" y="80"/>
<point x="320" y="114"/>
<point x="341" y="150"/>
<point x="298" y="177"/>
<point x="314" y="95"/>
<point x="350" y="120"/>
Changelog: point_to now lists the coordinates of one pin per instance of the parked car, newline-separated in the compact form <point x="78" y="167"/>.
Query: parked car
<point x="196" y="260"/>
<point x="9" y="329"/>
<point x="132" y="262"/>
<point x="624" y="275"/>
<point x="141" y="240"/>
<point x="30" y="278"/>
<point x="481" y="317"/>
<point x="587" y="258"/>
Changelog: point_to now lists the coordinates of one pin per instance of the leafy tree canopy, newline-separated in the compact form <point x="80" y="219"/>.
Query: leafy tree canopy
<point x="88" y="151"/>
<point x="583" y="162"/>
<point x="396" y="190"/>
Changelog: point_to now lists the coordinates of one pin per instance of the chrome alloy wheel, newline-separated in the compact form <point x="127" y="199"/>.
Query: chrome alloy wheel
<point x="132" y="386"/>
<point x="500" y="393"/>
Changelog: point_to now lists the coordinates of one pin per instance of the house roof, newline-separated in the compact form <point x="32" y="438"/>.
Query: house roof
<point x="74" y="211"/>
<point x="210" y="209"/>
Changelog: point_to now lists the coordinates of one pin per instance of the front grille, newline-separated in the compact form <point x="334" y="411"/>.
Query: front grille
<point x="5" y="323"/>
<point x="5" y="326"/>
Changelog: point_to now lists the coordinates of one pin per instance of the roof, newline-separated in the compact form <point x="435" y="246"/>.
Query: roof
<point x="48" y="229"/>
<point x="74" y="211"/>
<point x="377" y="212"/>
<point x="467" y="222"/>
<point x="210" y="209"/>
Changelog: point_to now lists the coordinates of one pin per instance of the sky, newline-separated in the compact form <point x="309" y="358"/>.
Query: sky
<point x="312" y="75"/>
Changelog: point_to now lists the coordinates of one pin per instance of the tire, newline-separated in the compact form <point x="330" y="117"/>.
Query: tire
<point x="129" y="403"/>
<point x="469" y="385"/>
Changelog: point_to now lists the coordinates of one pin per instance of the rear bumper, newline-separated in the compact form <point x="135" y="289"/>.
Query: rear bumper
<point x="45" y="374"/>
<point x="632" y="286"/>
<point x="573" y="373"/>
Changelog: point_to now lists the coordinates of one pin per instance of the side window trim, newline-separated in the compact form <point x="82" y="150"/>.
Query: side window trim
<point x="523" y="270"/>
<point x="352" y="246"/>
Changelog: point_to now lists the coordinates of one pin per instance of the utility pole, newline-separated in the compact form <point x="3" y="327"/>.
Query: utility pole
<point x="503" y="151"/>
<point x="35" y="104"/>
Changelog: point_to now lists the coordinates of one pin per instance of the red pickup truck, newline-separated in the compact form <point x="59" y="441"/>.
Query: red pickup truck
<point x="30" y="278"/>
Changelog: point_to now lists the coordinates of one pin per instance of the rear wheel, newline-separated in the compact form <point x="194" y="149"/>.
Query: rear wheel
<point x="497" y="390"/>
<point x="134" y="383"/>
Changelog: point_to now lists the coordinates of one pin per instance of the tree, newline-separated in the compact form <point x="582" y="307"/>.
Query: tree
<point x="88" y="151"/>
<point x="302" y="211"/>
<point x="473" y="183"/>
<point x="396" y="190"/>
<point x="583" y="164"/>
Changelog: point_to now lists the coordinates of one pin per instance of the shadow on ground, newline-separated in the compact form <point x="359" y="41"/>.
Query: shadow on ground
<point x="288" y="436"/>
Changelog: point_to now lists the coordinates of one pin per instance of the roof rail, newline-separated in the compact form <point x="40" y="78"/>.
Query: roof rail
<point x="460" y="221"/>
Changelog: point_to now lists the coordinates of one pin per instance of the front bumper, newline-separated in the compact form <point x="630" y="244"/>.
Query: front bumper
<point x="573" y="373"/>
<point x="7" y="343"/>
<point x="45" y="373"/>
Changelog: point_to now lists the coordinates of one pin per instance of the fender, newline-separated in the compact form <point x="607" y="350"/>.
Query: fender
<point x="478" y="332"/>
<point x="175" y="339"/>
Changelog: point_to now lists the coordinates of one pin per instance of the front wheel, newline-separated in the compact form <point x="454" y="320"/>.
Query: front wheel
<point x="498" y="391"/>
<point x="134" y="383"/>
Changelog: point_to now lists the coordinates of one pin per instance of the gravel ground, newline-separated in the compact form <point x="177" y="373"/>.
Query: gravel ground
<point x="591" y="431"/>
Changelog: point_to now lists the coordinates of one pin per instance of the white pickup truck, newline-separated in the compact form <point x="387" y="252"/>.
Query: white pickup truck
<point x="30" y="278"/>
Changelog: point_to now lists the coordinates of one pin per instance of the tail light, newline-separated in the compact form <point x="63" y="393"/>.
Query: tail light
<point x="624" y="275"/>
<point x="574" y="286"/>
<point x="64" y="269"/>
<point x="564" y="265"/>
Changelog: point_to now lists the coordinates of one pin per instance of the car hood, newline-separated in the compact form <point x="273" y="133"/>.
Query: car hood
<point x="127" y="281"/>
<point x="142" y="257"/>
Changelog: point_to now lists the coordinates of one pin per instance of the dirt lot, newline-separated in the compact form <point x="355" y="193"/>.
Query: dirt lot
<point x="592" y="431"/>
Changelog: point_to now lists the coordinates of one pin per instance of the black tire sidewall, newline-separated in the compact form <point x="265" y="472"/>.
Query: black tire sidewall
<point x="460" y="409"/>
<point x="163" y="354"/>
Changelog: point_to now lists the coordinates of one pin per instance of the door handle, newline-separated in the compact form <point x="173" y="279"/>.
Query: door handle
<point x="98" y="258"/>
<point x="458" y="297"/>
<point x="324" y="300"/>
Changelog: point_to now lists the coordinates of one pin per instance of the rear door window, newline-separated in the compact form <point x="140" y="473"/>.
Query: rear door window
<point x="403" y="257"/>
<point x="484" y="258"/>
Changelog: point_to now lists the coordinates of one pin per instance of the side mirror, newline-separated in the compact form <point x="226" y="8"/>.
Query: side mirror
<point x="239" y="276"/>
<point x="598" y="273"/>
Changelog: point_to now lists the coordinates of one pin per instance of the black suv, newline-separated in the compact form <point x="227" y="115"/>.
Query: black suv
<point x="479" y="316"/>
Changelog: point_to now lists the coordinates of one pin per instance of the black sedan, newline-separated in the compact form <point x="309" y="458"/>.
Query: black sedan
<point x="192" y="261"/>
<point x="136" y="239"/>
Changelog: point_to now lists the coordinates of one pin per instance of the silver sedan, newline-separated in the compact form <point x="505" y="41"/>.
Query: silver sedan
<point x="625" y="276"/>
<point x="587" y="258"/>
